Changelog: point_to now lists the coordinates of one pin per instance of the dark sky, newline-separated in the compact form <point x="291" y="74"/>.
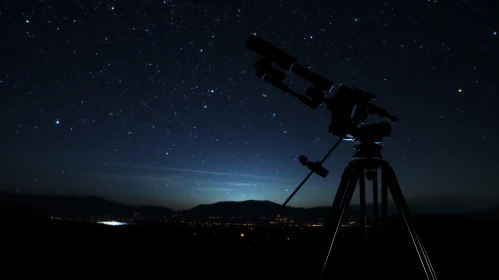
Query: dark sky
<point x="156" y="102"/>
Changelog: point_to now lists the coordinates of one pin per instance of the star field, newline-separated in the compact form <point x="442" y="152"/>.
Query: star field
<point x="156" y="102"/>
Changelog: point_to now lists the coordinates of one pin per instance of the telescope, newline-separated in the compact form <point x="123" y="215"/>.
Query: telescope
<point x="349" y="107"/>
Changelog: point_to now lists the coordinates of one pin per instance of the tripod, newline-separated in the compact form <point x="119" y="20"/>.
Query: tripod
<point x="364" y="165"/>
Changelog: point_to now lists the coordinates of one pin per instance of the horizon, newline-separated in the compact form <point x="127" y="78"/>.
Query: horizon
<point x="478" y="204"/>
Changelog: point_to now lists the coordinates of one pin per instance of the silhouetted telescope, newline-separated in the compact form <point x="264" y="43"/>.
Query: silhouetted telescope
<point x="349" y="107"/>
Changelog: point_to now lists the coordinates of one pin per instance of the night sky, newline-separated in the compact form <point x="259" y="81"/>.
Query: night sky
<point x="156" y="102"/>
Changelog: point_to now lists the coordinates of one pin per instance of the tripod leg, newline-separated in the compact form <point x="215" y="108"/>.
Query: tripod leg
<point x="382" y="260"/>
<point x="340" y="204"/>
<point x="382" y="225"/>
<point x="384" y="215"/>
<point x="375" y="201"/>
<point x="384" y="199"/>
<point x="362" y="192"/>
<point x="399" y="200"/>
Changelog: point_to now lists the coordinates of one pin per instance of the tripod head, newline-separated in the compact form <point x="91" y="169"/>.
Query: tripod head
<point x="349" y="107"/>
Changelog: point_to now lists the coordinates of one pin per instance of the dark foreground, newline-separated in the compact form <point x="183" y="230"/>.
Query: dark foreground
<point x="458" y="248"/>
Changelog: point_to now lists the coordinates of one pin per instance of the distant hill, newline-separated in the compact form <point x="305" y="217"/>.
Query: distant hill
<point x="68" y="206"/>
<point x="447" y="204"/>
<point x="253" y="209"/>
<point x="491" y="214"/>
<point x="256" y="209"/>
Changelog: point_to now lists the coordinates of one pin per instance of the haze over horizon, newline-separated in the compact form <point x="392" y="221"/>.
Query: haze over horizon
<point x="454" y="202"/>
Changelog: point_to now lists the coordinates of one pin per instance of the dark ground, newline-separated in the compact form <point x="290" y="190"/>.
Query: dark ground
<point x="458" y="248"/>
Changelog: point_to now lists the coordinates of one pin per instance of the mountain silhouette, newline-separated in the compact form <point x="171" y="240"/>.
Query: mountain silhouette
<point x="73" y="207"/>
<point x="252" y="209"/>
<point x="257" y="209"/>
<point x="82" y="207"/>
<point x="490" y="214"/>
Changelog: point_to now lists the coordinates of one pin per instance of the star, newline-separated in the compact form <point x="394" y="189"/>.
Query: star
<point x="134" y="95"/>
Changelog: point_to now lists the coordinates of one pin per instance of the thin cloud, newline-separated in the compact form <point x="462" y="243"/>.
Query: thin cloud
<point x="214" y="189"/>
<point x="192" y="170"/>
<point x="239" y="184"/>
<point x="131" y="177"/>
<point x="235" y="184"/>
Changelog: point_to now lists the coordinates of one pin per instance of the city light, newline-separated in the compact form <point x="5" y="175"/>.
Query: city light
<point x="242" y="234"/>
<point x="211" y="222"/>
<point x="112" y="223"/>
